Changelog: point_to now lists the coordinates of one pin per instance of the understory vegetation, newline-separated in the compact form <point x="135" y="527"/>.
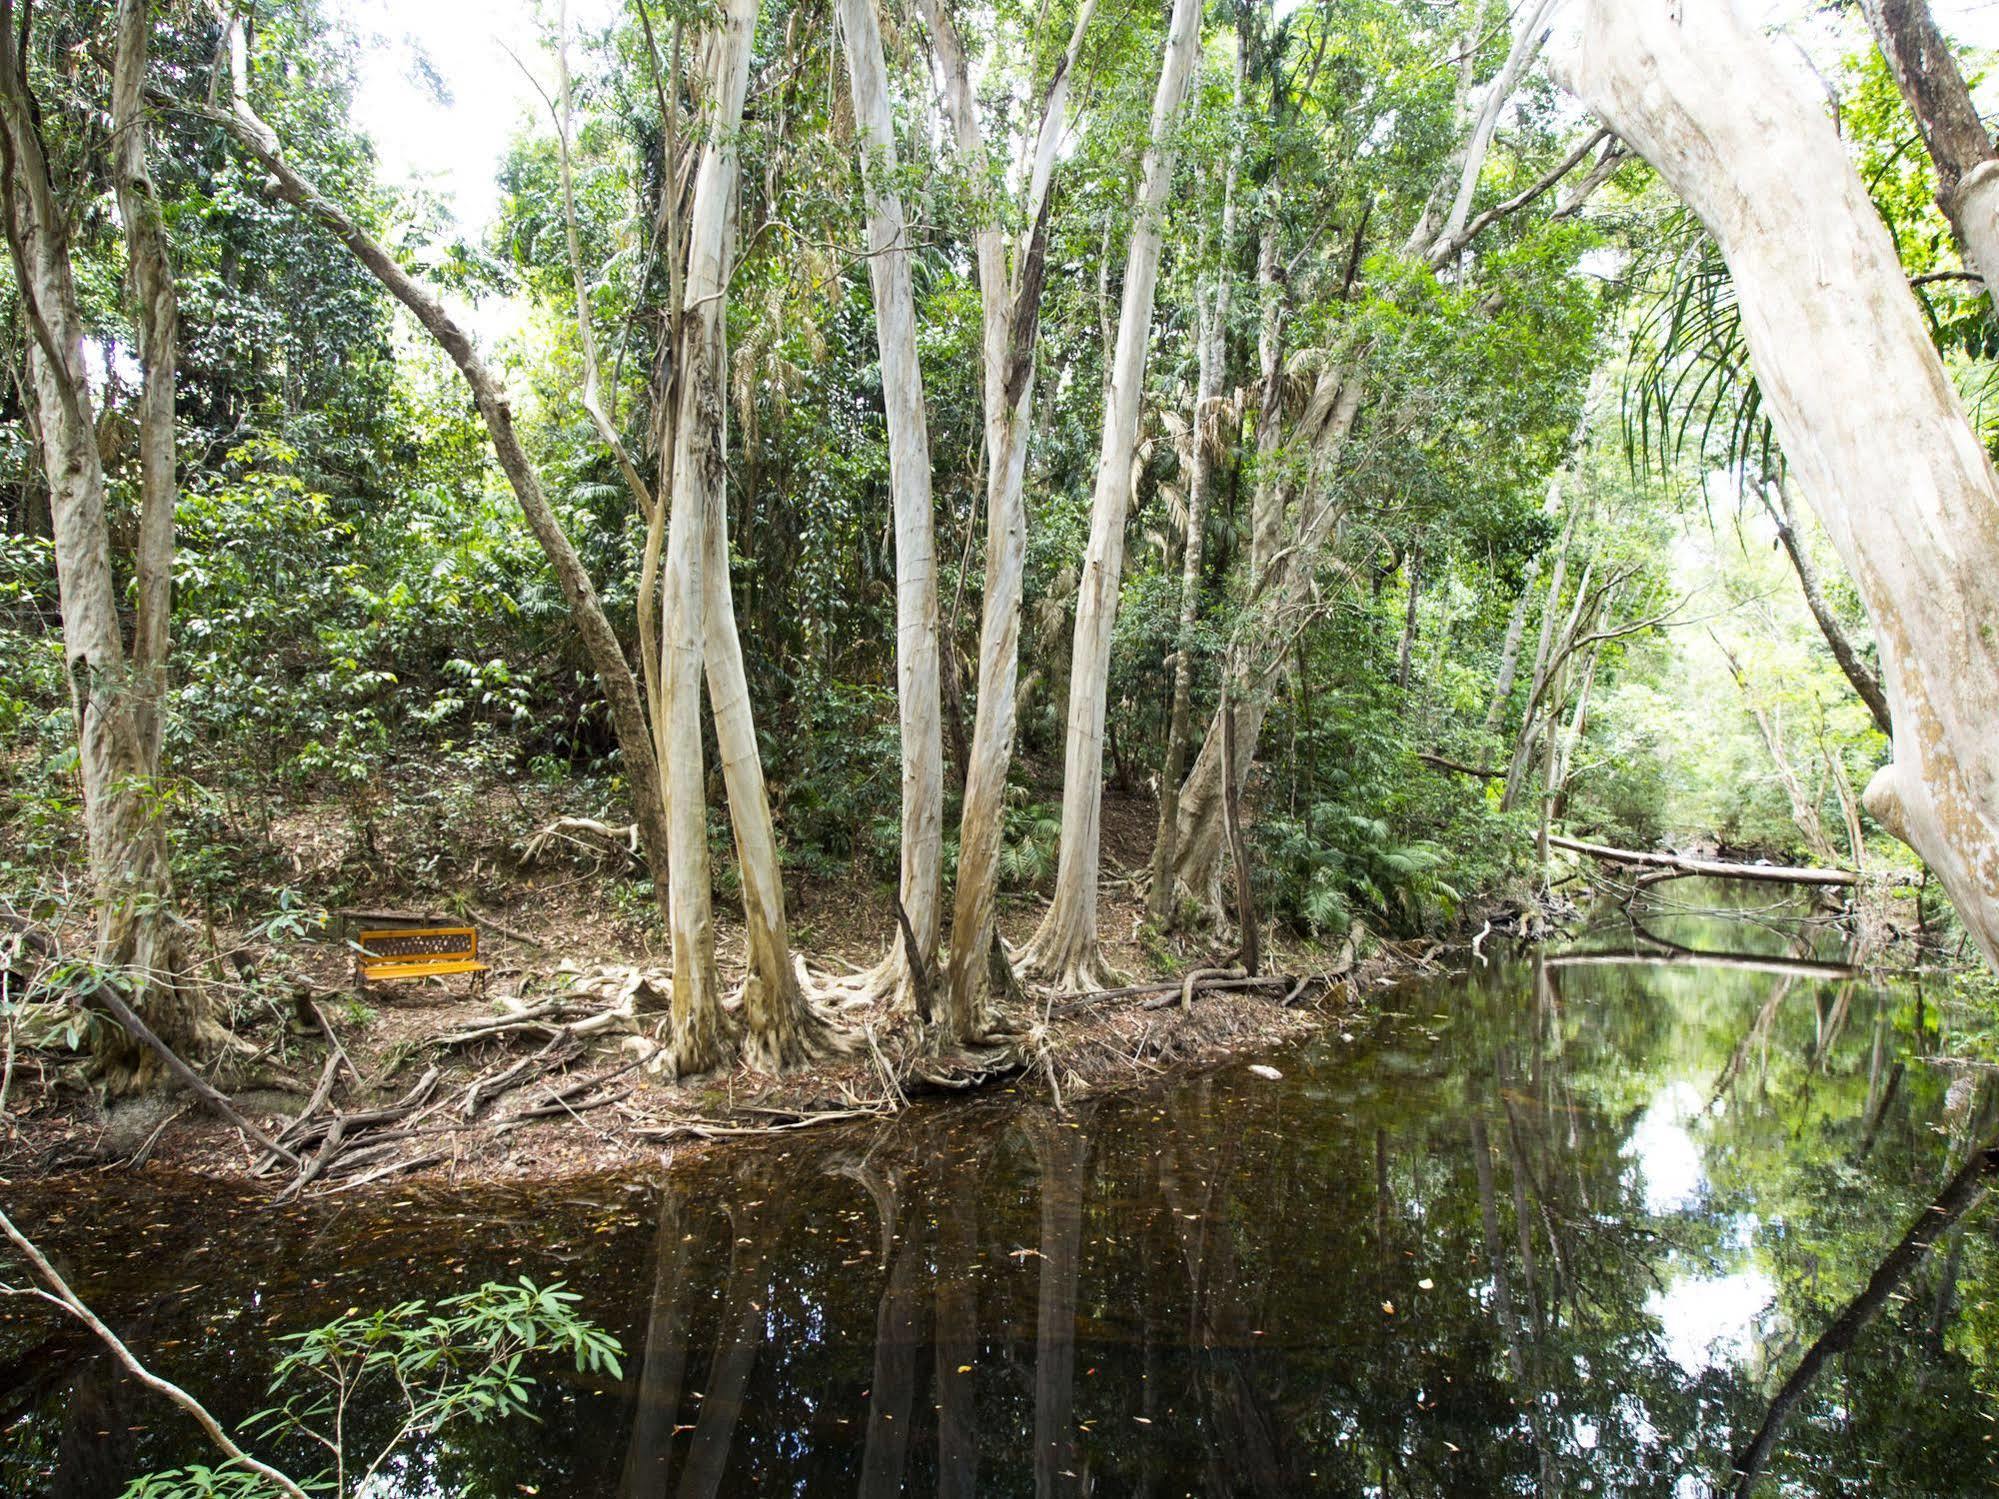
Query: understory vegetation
<point x="1449" y="473"/>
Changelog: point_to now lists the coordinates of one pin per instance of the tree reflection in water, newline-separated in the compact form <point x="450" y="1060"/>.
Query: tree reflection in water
<point x="1553" y="1228"/>
<point x="1425" y="1263"/>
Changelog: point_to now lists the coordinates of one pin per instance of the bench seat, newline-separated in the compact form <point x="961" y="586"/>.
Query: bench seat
<point x="416" y="970"/>
<point x="404" y="953"/>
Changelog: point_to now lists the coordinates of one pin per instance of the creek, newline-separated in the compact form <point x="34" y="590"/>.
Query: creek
<point x="1564" y="1224"/>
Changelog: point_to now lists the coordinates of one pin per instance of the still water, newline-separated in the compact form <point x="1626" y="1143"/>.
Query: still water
<point x="1558" y="1226"/>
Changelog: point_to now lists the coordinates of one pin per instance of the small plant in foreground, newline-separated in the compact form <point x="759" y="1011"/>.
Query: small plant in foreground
<point x="459" y="1363"/>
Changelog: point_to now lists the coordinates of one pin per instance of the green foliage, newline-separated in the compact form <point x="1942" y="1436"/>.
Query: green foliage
<point x="463" y="1363"/>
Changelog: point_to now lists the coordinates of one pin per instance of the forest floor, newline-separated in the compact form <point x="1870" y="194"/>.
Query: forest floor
<point x="547" y="1073"/>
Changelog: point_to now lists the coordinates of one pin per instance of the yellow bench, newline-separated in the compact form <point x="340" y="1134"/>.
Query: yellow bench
<point x="418" y="952"/>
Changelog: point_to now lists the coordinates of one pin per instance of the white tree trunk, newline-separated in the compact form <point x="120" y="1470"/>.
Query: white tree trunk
<point x="916" y="618"/>
<point x="1212" y="324"/>
<point x="1065" y="950"/>
<point x="114" y="700"/>
<point x="1900" y="481"/>
<point x="1010" y="303"/>
<point x="689" y="595"/>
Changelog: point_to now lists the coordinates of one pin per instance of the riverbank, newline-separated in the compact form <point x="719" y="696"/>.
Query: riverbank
<point x="1714" y="1162"/>
<point x="554" y="1071"/>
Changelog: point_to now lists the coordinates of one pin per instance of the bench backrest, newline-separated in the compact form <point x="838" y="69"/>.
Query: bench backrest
<point x="415" y="944"/>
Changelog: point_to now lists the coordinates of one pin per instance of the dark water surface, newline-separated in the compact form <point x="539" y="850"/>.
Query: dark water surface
<point x="1556" y="1227"/>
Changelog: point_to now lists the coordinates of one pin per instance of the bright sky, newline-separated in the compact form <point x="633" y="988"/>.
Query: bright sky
<point x="456" y="148"/>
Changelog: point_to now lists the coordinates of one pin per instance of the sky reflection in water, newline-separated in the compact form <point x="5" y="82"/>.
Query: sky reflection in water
<point x="1542" y="1229"/>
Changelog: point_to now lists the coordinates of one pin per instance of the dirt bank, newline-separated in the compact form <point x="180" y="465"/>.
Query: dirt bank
<point x="550" y="1073"/>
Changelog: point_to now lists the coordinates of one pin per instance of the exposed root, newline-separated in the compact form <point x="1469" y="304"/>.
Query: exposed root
<point x="1065" y="961"/>
<point x="596" y="838"/>
<point x="788" y="1029"/>
<point x="1196" y="975"/>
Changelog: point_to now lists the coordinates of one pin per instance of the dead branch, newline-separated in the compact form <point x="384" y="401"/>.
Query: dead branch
<point x="1782" y="874"/>
<point x="333" y="1041"/>
<point x="565" y="829"/>
<point x="1089" y="999"/>
<point x="506" y="931"/>
<point x="714" y="1130"/>
<point x="395" y="1168"/>
<point x="1458" y="767"/>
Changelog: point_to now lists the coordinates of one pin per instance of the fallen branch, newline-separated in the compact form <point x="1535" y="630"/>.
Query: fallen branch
<point x="1084" y="999"/>
<point x="1458" y="767"/>
<point x="394" y="1168"/>
<point x="506" y="931"/>
<point x="60" y="1295"/>
<point x="488" y="1087"/>
<point x="1782" y="874"/>
<point x="333" y="1042"/>
<point x="563" y="1100"/>
<point x="713" y="1130"/>
<point x="290" y="1133"/>
<point x="565" y="829"/>
<point x="342" y="1127"/>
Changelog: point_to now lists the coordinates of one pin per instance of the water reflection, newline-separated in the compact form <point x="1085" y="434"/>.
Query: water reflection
<point x="1551" y="1229"/>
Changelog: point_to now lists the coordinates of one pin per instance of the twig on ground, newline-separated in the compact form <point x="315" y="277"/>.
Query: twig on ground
<point x="508" y="932"/>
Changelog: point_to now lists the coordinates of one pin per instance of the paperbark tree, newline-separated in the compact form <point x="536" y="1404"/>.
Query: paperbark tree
<point x="114" y="694"/>
<point x="1212" y="322"/>
<point x="1010" y="282"/>
<point x="1898" y="478"/>
<point x="916" y="621"/>
<point x="781" y="1027"/>
<point x="699" y="634"/>
<point x="1927" y="74"/>
<point x="1297" y="516"/>
<point x="1065" y="951"/>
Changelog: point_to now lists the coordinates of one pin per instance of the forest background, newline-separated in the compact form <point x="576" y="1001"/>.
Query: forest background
<point x="1549" y="575"/>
